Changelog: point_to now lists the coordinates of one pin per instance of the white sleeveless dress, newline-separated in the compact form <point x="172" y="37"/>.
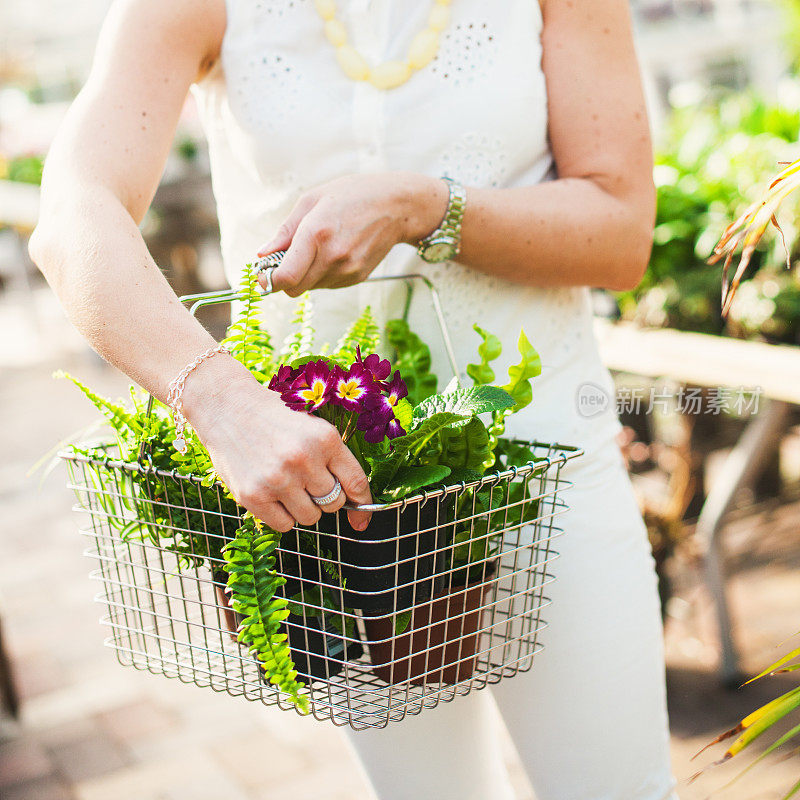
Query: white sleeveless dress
<point x="281" y="118"/>
<point x="589" y="719"/>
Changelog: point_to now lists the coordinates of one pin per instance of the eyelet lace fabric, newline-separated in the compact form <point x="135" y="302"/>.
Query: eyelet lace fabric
<point x="281" y="118"/>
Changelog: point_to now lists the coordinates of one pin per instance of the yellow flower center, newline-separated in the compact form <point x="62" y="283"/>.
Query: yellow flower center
<point x="392" y="398"/>
<point x="314" y="393"/>
<point x="350" y="390"/>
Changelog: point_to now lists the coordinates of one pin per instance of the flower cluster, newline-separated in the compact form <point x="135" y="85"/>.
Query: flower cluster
<point x="364" y="389"/>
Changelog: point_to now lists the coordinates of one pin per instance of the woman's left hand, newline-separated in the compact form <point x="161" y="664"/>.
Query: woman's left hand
<point x="340" y="231"/>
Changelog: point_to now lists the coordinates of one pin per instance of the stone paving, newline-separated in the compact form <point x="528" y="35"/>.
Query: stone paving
<point x="91" y="730"/>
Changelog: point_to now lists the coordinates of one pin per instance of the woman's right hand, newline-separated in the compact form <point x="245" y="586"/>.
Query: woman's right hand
<point x="270" y="457"/>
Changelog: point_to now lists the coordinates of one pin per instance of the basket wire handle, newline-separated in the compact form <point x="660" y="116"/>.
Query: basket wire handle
<point x="267" y="266"/>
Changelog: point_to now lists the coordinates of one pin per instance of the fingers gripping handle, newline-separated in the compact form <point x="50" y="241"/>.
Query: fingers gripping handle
<point x="266" y="266"/>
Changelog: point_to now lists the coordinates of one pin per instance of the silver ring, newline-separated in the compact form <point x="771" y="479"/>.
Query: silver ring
<point x="330" y="497"/>
<point x="268" y="265"/>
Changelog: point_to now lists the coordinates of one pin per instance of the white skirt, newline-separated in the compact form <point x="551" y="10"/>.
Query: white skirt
<point x="589" y="720"/>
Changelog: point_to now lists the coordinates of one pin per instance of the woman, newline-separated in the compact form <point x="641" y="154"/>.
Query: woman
<point x="317" y="142"/>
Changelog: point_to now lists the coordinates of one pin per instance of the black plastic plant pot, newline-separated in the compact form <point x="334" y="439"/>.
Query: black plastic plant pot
<point x="477" y="572"/>
<point x="320" y="650"/>
<point x="316" y="643"/>
<point x="397" y="562"/>
<point x="301" y="561"/>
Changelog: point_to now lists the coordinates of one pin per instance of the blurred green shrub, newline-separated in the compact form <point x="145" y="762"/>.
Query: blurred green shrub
<point x="24" y="169"/>
<point x="712" y="162"/>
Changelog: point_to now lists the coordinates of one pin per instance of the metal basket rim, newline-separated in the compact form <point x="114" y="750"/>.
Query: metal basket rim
<point x="564" y="452"/>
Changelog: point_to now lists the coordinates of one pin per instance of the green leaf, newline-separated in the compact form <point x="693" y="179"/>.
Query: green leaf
<point x="779" y="663"/>
<point x="474" y="400"/>
<point x="120" y="419"/>
<point x="520" y="374"/>
<point x="253" y="583"/>
<point x="463" y="475"/>
<point x="790" y="734"/>
<point x="426" y="429"/>
<point x="401" y="621"/>
<point x="792" y="792"/>
<point x="302" y="360"/>
<point x="404" y="413"/>
<point x="413" y="359"/>
<point x="385" y="465"/>
<point x="248" y="342"/>
<point x="466" y="447"/>
<point x="764" y="718"/>
<point x="299" y="342"/>
<point x="382" y="470"/>
<point x="489" y="350"/>
<point x="411" y="477"/>
<point x="363" y="333"/>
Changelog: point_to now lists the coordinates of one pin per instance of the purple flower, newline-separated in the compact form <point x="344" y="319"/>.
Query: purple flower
<point x="379" y="369"/>
<point x="282" y="379"/>
<point x="378" y="420"/>
<point x="311" y="389"/>
<point x="396" y="390"/>
<point x="352" y="387"/>
<point x="377" y="426"/>
<point x="394" y="429"/>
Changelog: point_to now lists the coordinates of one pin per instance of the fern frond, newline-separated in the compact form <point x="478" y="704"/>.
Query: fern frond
<point x="127" y="426"/>
<point x="248" y="342"/>
<point x="363" y="333"/>
<point x="253" y="584"/>
<point x="300" y="342"/>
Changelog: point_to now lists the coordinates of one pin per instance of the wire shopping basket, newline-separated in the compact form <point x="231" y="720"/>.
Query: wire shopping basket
<point x="441" y="595"/>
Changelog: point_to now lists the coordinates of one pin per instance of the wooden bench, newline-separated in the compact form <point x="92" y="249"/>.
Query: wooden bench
<point x="715" y="361"/>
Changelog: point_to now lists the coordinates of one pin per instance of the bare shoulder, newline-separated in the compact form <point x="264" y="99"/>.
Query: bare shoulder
<point x="193" y="28"/>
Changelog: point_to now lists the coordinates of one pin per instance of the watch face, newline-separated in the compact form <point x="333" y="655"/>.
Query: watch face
<point x="439" y="250"/>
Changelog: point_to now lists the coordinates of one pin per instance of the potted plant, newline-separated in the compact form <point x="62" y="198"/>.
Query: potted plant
<point x="438" y="641"/>
<point x="291" y="598"/>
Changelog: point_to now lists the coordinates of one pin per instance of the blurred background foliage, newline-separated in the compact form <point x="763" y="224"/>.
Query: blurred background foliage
<point x="712" y="160"/>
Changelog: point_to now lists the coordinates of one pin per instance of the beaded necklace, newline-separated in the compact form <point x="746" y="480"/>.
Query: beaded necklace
<point x="389" y="74"/>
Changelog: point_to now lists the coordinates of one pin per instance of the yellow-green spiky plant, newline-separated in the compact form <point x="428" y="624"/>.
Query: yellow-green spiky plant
<point x="761" y="720"/>
<point x="748" y="229"/>
<point x="746" y="232"/>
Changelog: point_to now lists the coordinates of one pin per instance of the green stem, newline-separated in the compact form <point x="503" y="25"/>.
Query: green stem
<point x="349" y="428"/>
<point x="355" y="449"/>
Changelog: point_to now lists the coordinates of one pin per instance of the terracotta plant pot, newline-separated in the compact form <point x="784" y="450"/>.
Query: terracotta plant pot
<point x="229" y="616"/>
<point x="440" y="644"/>
<point x="394" y="564"/>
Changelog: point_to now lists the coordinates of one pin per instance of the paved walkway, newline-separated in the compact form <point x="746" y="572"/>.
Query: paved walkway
<point x="91" y="730"/>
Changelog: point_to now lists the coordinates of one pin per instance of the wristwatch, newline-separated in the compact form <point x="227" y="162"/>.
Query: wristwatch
<point x="445" y="242"/>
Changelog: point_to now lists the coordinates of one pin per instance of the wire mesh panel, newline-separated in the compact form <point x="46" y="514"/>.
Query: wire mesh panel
<point x="441" y="595"/>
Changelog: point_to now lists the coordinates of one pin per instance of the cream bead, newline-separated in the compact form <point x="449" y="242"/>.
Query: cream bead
<point x="336" y="32"/>
<point x="352" y="63"/>
<point x="325" y="8"/>
<point x="439" y="18"/>
<point x="390" y="74"/>
<point x="424" y="47"/>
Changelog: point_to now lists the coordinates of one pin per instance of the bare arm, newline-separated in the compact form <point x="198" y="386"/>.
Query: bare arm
<point x="100" y="177"/>
<point x="592" y="226"/>
<point x="101" y="174"/>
